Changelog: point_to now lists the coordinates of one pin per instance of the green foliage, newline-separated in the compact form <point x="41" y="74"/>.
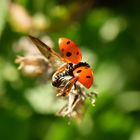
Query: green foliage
<point x="3" y="14"/>
<point x="109" y="37"/>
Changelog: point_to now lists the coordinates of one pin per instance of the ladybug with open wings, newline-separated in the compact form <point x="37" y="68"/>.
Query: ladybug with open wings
<point x="69" y="68"/>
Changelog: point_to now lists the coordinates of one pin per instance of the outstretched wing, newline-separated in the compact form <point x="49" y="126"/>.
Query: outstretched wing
<point x="53" y="58"/>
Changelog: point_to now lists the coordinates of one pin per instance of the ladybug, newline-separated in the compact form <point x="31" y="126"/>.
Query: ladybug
<point x="69" y="68"/>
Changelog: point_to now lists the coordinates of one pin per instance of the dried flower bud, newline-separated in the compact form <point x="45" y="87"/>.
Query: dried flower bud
<point x="32" y="66"/>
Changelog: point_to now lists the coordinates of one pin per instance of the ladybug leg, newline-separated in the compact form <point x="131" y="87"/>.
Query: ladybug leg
<point x="66" y="90"/>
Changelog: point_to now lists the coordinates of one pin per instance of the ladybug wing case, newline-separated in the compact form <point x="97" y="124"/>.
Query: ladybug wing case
<point x="84" y="76"/>
<point x="70" y="51"/>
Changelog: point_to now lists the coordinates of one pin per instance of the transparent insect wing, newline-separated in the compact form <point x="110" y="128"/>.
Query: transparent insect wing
<point x="70" y="51"/>
<point x="84" y="76"/>
<point x="67" y="88"/>
<point x="54" y="59"/>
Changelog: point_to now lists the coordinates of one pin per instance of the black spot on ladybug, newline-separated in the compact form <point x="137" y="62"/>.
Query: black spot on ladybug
<point x="62" y="50"/>
<point x="88" y="76"/>
<point x="77" y="53"/>
<point x="79" y="71"/>
<point x="68" y="54"/>
<point x="68" y="42"/>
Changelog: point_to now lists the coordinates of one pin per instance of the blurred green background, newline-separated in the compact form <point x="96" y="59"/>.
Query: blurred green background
<point x="108" y="33"/>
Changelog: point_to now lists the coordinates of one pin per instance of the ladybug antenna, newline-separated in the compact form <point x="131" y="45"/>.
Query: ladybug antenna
<point x="81" y="64"/>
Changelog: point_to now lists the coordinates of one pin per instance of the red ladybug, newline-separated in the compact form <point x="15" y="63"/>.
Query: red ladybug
<point x="69" y="68"/>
